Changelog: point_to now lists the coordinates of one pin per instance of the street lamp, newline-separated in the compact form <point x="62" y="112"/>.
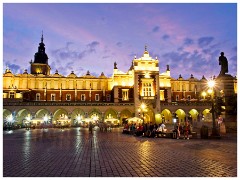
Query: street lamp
<point x="28" y="119"/>
<point x="211" y="85"/>
<point x="142" y="109"/>
<point x="204" y="95"/>
<point x="10" y="122"/>
<point x="45" y="119"/>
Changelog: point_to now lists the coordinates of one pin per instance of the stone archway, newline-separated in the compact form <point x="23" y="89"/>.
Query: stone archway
<point x="166" y="115"/>
<point x="124" y="114"/>
<point x="22" y="116"/>
<point x="180" y="116"/>
<point x="61" y="118"/>
<point x="149" y="115"/>
<point x="42" y="116"/>
<point x="7" y="115"/>
<point x="95" y="114"/>
<point x="193" y="116"/>
<point x="111" y="113"/>
<point x="41" y="113"/>
<point x="77" y="116"/>
<point x="206" y="115"/>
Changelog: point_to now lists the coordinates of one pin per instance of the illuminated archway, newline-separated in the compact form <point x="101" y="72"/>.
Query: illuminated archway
<point x="124" y="115"/>
<point x="206" y="115"/>
<point x="193" y="115"/>
<point x="77" y="116"/>
<point x="22" y="116"/>
<point x="60" y="117"/>
<point x="41" y="113"/>
<point x="95" y="115"/>
<point x="110" y="113"/>
<point x="6" y="115"/>
<point x="42" y="116"/>
<point x="166" y="115"/>
<point x="180" y="115"/>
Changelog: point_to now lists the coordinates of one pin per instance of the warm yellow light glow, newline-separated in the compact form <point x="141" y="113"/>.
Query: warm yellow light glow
<point x="204" y="94"/>
<point x="210" y="91"/>
<point x="211" y="83"/>
<point x="45" y="118"/>
<point x="143" y="106"/>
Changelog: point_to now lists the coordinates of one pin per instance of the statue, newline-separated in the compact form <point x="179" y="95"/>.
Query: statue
<point x="224" y="64"/>
<point x="115" y="65"/>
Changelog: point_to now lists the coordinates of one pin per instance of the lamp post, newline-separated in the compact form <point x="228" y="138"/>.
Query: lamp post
<point x="142" y="109"/>
<point x="211" y="85"/>
<point x="204" y="95"/>
<point x="45" y="119"/>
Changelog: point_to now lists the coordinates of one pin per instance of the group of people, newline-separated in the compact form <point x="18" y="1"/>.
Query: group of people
<point x="103" y="127"/>
<point x="185" y="130"/>
<point x="154" y="130"/>
<point x="145" y="130"/>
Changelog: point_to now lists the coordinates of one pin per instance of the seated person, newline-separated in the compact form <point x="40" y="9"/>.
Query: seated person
<point x="139" y="130"/>
<point x="161" y="129"/>
<point x="126" y="128"/>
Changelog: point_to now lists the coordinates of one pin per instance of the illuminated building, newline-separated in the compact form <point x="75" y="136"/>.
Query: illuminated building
<point x="40" y="96"/>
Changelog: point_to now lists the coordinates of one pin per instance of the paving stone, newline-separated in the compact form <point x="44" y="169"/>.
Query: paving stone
<point x="74" y="153"/>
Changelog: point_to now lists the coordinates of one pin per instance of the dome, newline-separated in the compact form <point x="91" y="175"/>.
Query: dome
<point x="72" y="75"/>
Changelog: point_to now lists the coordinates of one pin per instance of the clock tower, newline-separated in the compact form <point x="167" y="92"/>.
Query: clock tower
<point x="40" y="64"/>
<point x="146" y="86"/>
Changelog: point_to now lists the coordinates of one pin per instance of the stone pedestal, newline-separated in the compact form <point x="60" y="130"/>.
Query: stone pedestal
<point x="225" y="83"/>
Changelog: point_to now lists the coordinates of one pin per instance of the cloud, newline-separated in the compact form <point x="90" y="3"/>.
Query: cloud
<point x="92" y="46"/>
<point x="14" y="67"/>
<point x="197" y="62"/>
<point x="69" y="53"/>
<point x="188" y="41"/>
<point x="155" y="29"/>
<point x="205" y="41"/>
<point x="165" y="37"/>
<point x="119" y="44"/>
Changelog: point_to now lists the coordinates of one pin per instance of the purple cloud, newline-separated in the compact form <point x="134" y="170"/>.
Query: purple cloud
<point x="205" y="41"/>
<point x="155" y="29"/>
<point x="119" y="44"/>
<point x="165" y="37"/>
<point x="188" y="42"/>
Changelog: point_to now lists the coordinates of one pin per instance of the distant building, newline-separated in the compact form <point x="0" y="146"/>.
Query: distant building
<point x="39" y="96"/>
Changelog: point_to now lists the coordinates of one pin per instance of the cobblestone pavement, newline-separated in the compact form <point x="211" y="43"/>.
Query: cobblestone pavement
<point x="76" y="153"/>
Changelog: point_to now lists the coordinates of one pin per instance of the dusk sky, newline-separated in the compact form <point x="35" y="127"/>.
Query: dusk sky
<point x="80" y="37"/>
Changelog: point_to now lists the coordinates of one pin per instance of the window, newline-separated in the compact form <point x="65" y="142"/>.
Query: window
<point x="108" y="97"/>
<point x="125" y="95"/>
<point x="11" y="95"/>
<point x="83" y="97"/>
<point x="53" y="97"/>
<point x="189" y="97"/>
<point x="38" y="97"/>
<point x="177" y="97"/>
<point x="162" y="98"/>
<point x="68" y="97"/>
<point x="147" y="89"/>
<point x="96" y="97"/>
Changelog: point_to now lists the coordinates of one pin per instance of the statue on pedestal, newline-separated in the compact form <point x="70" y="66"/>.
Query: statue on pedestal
<point x="115" y="65"/>
<point x="224" y="64"/>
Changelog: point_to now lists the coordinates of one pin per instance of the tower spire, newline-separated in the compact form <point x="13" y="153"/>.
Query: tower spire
<point x="42" y="37"/>
<point x="145" y="47"/>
